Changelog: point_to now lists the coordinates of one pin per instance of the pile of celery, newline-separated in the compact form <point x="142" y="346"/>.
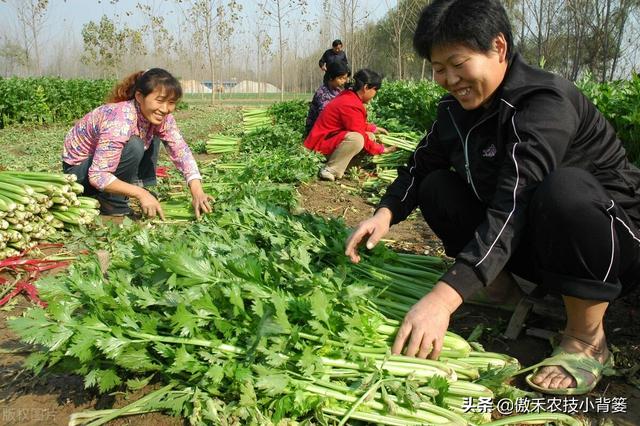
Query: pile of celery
<point x="34" y="205"/>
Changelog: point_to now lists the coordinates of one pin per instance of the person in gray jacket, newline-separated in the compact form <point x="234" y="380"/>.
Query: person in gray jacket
<point x="520" y="173"/>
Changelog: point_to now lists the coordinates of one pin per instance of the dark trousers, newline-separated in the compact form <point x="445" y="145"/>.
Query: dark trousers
<point x="135" y="165"/>
<point x="576" y="241"/>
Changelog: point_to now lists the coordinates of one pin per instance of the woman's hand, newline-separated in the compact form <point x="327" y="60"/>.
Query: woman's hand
<point x="149" y="205"/>
<point x="375" y="227"/>
<point x="200" y="201"/>
<point x="388" y="149"/>
<point x="382" y="130"/>
<point x="423" y="328"/>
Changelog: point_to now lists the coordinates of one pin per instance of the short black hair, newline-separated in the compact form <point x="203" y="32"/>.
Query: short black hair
<point x="474" y="23"/>
<point x="366" y="77"/>
<point x="336" y="69"/>
<point x="336" y="42"/>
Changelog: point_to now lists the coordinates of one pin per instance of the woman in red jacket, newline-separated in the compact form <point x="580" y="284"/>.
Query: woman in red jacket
<point x="341" y="131"/>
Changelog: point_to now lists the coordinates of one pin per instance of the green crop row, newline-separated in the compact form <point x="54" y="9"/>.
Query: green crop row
<point x="402" y="106"/>
<point x="619" y="101"/>
<point x="49" y="100"/>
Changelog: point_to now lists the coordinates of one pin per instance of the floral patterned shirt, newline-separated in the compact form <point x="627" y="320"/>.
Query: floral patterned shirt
<point x="321" y="98"/>
<point x="105" y="131"/>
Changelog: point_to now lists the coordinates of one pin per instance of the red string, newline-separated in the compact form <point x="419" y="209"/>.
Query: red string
<point x="33" y="268"/>
<point x="161" y="172"/>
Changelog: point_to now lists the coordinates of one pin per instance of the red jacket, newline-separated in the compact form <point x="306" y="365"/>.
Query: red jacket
<point x="345" y="113"/>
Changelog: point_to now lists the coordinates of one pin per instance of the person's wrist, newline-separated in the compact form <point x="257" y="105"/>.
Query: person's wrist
<point x="195" y="186"/>
<point x="139" y="192"/>
<point x="447" y="297"/>
<point x="385" y="214"/>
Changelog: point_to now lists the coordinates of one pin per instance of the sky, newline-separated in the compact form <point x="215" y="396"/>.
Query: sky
<point x="65" y="18"/>
<point x="60" y="41"/>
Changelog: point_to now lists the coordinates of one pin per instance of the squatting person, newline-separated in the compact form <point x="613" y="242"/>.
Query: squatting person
<point x="519" y="173"/>
<point x="113" y="150"/>
<point x="341" y="130"/>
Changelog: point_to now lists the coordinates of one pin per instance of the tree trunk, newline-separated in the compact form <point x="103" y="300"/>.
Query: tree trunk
<point x="523" y="24"/>
<point x="281" y="42"/>
<point x="212" y="71"/>
<point x="605" y="48"/>
<point x="624" y="15"/>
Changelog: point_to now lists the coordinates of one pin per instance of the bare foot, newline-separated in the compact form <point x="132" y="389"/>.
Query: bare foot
<point x="556" y="377"/>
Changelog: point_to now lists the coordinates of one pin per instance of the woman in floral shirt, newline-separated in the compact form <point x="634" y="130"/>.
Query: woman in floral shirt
<point x="113" y="150"/>
<point x="336" y="76"/>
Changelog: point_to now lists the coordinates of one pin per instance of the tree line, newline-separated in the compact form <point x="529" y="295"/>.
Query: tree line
<point x="280" y="41"/>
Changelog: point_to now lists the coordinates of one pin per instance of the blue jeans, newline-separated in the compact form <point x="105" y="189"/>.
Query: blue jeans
<point x="136" y="164"/>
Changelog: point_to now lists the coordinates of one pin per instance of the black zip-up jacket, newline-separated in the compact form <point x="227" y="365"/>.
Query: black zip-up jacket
<point x="536" y="123"/>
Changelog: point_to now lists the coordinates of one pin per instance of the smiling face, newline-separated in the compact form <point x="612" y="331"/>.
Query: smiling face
<point x="472" y="77"/>
<point x="156" y="105"/>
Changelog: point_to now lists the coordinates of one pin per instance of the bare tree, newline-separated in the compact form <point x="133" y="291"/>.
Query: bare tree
<point x="106" y="44"/>
<point x="162" y="42"/>
<point x="212" y="22"/>
<point x="226" y="18"/>
<point x="202" y="19"/>
<point x="263" y="45"/>
<point x="14" y="57"/>
<point x="351" y="17"/>
<point x="400" y="16"/>
<point x="31" y="16"/>
<point x="542" y="21"/>
<point x="279" y="12"/>
<point x="575" y="36"/>
<point x="617" y="19"/>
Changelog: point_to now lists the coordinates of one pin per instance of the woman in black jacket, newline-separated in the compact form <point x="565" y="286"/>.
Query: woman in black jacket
<point x="520" y="174"/>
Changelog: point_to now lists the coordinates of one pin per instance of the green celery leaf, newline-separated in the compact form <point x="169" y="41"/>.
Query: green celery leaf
<point x="137" y="384"/>
<point x="184" y="322"/>
<point x="441" y="385"/>
<point x="82" y="343"/>
<point x="215" y="373"/>
<point x="273" y="383"/>
<point x="320" y="306"/>
<point x="104" y="379"/>
<point x="248" y="396"/>
<point x="137" y="360"/>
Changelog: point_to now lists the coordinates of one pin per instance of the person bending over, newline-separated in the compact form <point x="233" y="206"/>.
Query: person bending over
<point x="519" y="173"/>
<point x="113" y="150"/>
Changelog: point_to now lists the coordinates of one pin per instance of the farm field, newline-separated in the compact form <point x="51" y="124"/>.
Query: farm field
<point x="243" y="99"/>
<point x="266" y="167"/>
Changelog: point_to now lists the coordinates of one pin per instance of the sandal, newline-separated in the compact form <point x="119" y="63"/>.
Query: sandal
<point x="586" y="371"/>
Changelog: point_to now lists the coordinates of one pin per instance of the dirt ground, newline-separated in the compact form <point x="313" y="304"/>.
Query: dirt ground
<point x="26" y="400"/>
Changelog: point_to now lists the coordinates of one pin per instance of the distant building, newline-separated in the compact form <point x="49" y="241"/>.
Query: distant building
<point x="248" y="86"/>
<point x="221" y="86"/>
<point x="194" y="86"/>
<point x="227" y="86"/>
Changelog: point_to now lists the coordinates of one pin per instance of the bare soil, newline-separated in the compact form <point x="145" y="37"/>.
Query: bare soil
<point x="27" y="400"/>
